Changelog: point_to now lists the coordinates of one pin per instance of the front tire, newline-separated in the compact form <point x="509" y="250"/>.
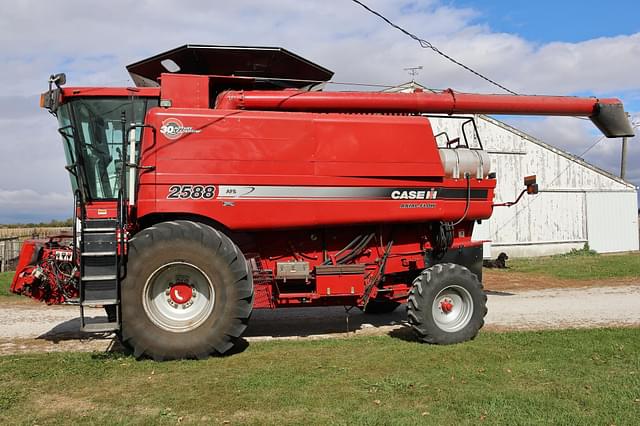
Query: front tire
<point x="446" y="305"/>
<point x="187" y="293"/>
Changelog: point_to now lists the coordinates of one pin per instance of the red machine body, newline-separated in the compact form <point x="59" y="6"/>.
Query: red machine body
<point x="332" y="198"/>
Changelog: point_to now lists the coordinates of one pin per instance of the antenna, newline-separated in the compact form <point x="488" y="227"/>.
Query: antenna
<point x="413" y="71"/>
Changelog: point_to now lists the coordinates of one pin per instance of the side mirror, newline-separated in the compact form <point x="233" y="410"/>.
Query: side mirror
<point x="58" y="79"/>
<point x="51" y="99"/>
<point x="531" y="189"/>
<point x="530" y="183"/>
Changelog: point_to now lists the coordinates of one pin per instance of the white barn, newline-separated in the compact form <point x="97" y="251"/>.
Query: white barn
<point x="578" y="202"/>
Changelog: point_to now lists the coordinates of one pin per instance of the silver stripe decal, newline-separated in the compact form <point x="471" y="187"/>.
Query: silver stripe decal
<point x="229" y="192"/>
<point x="286" y="192"/>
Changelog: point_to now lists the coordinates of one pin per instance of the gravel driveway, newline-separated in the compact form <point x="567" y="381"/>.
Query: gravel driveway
<point x="34" y="327"/>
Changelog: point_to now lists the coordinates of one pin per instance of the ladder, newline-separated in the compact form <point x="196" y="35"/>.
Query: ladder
<point x="99" y="280"/>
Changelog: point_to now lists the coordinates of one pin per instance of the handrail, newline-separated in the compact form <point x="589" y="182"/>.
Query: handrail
<point x="74" y="258"/>
<point x="132" y="164"/>
<point x="475" y="130"/>
<point x="123" y="174"/>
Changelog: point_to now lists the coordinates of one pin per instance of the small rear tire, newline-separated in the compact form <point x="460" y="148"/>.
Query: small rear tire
<point x="187" y="293"/>
<point x="446" y="305"/>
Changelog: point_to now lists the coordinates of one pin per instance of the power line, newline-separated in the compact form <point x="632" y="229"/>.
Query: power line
<point x="427" y="45"/>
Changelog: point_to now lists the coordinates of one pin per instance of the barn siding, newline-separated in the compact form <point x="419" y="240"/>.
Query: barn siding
<point x="610" y="217"/>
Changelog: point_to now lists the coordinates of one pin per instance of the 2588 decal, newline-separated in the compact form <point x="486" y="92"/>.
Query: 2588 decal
<point x="193" y="192"/>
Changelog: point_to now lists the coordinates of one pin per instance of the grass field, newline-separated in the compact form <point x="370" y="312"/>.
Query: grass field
<point x="552" y="377"/>
<point x="5" y="282"/>
<point x="580" y="265"/>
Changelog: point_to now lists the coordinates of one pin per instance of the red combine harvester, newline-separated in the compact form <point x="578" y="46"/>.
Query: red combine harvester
<point x="227" y="181"/>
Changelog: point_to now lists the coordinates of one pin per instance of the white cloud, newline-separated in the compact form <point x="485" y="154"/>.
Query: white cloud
<point x="32" y="155"/>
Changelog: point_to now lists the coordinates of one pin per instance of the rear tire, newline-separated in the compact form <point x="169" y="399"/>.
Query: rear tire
<point x="213" y="292"/>
<point x="446" y="305"/>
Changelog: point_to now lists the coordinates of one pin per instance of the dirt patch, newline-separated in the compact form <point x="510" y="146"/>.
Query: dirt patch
<point x="505" y="280"/>
<point x="516" y="301"/>
<point x="18" y="300"/>
<point x="14" y="346"/>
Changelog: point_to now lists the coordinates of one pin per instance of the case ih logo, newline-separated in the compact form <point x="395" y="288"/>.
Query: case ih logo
<point x="172" y="128"/>
<point x="414" y="195"/>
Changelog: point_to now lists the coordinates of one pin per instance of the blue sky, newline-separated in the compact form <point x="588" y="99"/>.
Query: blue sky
<point x="535" y="47"/>
<point x="546" y="21"/>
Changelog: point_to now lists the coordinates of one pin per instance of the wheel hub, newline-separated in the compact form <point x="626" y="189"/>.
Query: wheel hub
<point x="178" y="297"/>
<point x="180" y="293"/>
<point x="452" y="308"/>
<point x="446" y="305"/>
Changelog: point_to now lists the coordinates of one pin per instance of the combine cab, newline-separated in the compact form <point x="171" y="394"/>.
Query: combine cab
<point x="227" y="181"/>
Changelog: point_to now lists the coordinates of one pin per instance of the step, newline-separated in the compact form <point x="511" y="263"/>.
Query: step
<point x="99" y="277"/>
<point x="100" y="223"/>
<point x="100" y="327"/>
<point x="98" y="253"/>
<point x="98" y="242"/>
<point x="96" y="289"/>
<point x="102" y="302"/>
<point x="100" y="235"/>
<point x="92" y="230"/>
<point x="98" y="266"/>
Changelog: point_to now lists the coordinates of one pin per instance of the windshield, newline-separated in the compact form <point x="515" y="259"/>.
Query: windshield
<point x="92" y="135"/>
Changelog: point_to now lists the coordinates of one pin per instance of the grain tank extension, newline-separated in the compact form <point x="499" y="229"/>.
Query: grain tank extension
<point x="227" y="180"/>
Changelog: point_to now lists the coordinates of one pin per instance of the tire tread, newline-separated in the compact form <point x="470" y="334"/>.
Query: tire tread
<point x="221" y="338"/>
<point x="426" y="286"/>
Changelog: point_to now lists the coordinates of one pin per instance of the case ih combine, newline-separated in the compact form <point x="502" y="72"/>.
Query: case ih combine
<point x="226" y="181"/>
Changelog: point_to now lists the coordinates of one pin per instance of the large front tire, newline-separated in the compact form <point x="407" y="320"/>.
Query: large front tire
<point x="187" y="293"/>
<point x="446" y="305"/>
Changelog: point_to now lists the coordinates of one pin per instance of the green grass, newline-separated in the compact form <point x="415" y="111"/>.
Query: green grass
<point x="551" y="377"/>
<point x="5" y="282"/>
<point x="580" y="265"/>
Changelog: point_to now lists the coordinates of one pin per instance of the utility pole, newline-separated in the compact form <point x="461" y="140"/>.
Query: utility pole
<point x="623" y="160"/>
